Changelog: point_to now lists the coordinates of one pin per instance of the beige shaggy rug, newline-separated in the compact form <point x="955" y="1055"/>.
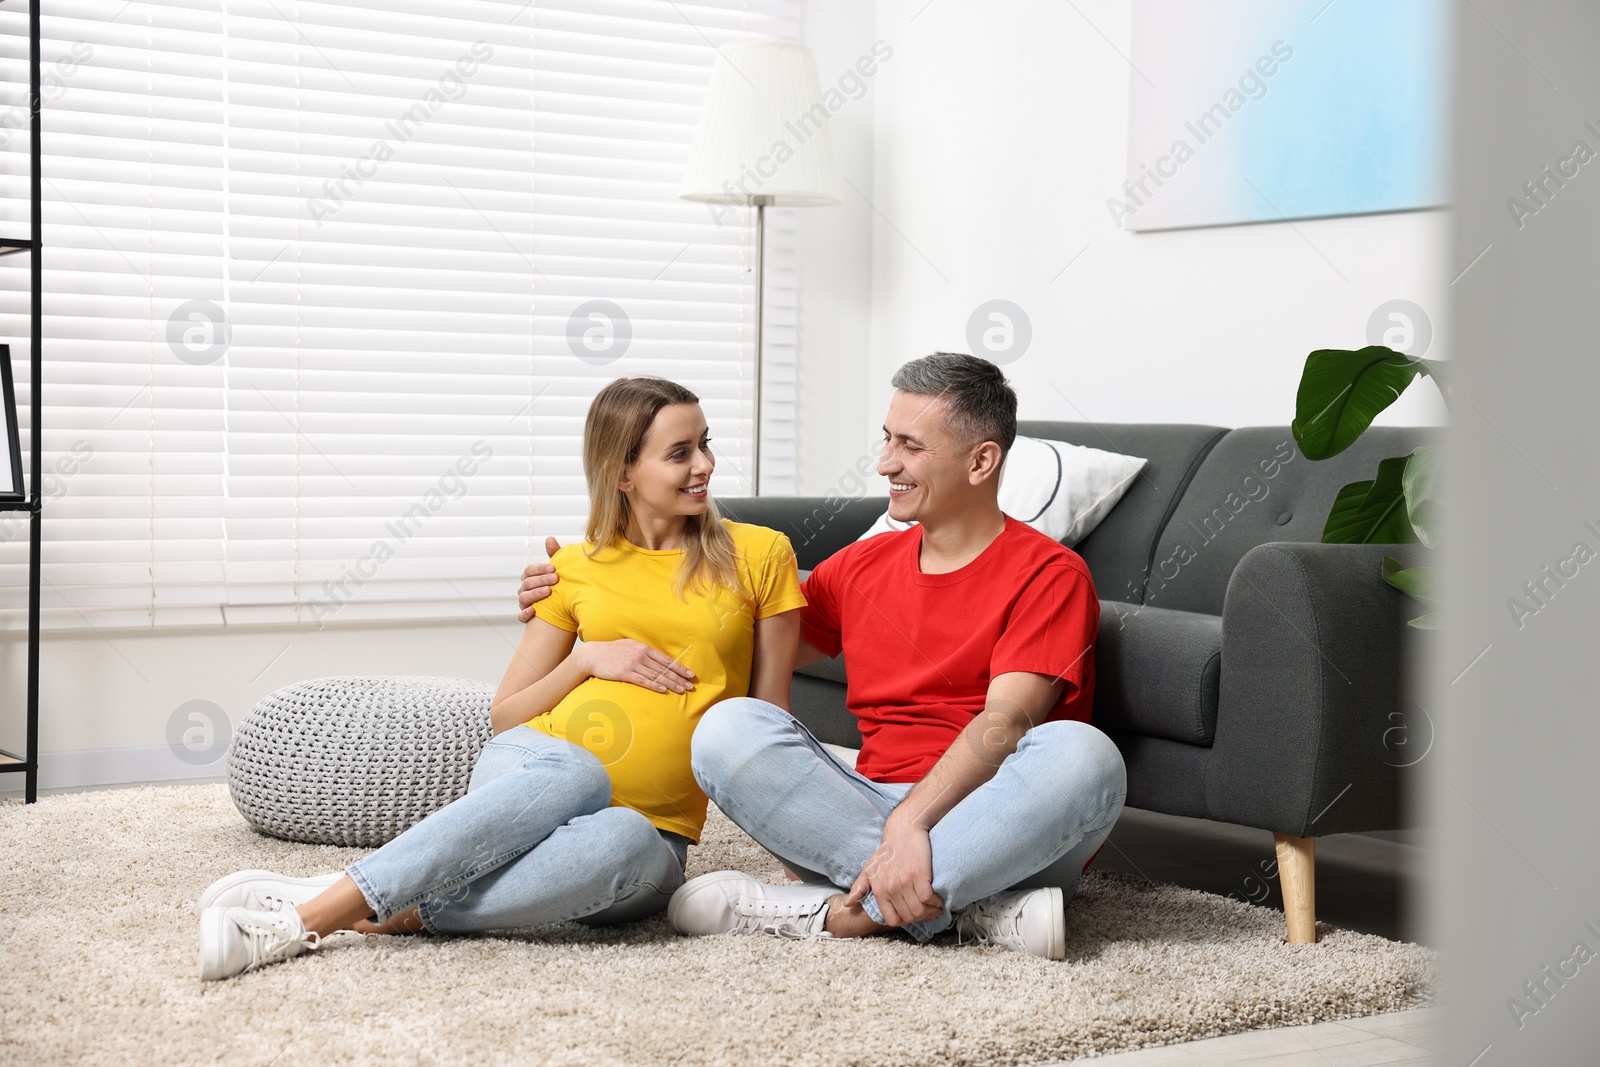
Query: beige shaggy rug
<point x="98" y="962"/>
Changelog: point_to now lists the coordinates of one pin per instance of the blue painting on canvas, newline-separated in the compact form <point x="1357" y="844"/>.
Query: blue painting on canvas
<point x="1252" y="112"/>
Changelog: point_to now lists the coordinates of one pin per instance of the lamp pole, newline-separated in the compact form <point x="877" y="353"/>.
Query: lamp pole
<point x="761" y="303"/>
<point x="757" y="89"/>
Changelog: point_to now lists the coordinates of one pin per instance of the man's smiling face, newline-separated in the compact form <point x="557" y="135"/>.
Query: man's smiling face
<point x="928" y="470"/>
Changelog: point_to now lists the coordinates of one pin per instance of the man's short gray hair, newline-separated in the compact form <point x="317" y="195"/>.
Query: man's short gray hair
<point x="980" y="404"/>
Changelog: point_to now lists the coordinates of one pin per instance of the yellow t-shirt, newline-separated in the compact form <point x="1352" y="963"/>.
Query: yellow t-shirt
<point x="625" y="591"/>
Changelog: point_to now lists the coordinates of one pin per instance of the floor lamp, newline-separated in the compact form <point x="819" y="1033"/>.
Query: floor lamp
<point x="762" y="142"/>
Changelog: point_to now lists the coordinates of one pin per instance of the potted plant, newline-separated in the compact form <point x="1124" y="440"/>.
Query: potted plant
<point x="1340" y="393"/>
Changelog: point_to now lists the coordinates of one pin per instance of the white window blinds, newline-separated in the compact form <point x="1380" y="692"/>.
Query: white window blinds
<point x="328" y="288"/>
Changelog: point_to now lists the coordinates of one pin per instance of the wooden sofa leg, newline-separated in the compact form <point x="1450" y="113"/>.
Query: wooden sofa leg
<point x="1297" y="874"/>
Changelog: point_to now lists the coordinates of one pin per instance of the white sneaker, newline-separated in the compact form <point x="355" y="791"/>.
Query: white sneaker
<point x="1030" y="920"/>
<point x="263" y="890"/>
<point x="235" y="940"/>
<point x="731" y="902"/>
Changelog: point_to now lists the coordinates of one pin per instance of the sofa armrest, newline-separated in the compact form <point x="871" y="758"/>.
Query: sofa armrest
<point x="1313" y="674"/>
<point x="818" y="526"/>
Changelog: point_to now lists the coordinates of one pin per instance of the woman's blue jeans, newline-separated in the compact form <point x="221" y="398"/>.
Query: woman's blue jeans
<point x="1036" y="823"/>
<point x="534" y="841"/>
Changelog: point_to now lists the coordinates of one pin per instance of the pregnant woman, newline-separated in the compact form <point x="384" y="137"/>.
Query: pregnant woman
<point x="583" y="805"/>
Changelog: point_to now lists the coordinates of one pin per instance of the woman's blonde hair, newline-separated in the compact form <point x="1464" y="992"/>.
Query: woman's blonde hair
<point x="613" y="433"/>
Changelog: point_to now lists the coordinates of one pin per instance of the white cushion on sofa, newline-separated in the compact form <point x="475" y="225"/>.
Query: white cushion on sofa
<point x="1061" y="490"/>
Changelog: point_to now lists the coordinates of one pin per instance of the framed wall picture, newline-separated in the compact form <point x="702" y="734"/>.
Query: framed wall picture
<point x="11" y="487"/>
<point x="1283" y="109"/>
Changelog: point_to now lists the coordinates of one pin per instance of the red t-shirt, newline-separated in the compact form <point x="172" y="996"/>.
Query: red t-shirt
<point x="922" y="648"/>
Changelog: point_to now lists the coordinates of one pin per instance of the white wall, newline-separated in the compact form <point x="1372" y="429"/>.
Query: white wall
<point x="987" y="143"/>
<point x="107" y="697"/>
<point x="835" y="260"/>
<point x="1001" y="129"/>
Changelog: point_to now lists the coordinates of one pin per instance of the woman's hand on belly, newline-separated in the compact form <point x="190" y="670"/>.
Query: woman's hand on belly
<point x="635" y="663"/>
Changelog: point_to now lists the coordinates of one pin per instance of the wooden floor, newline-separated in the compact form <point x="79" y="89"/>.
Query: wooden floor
<point x="1399" y="1037"/>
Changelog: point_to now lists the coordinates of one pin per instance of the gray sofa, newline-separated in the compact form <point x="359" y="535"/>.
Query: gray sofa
<point x="1248" y="673"/>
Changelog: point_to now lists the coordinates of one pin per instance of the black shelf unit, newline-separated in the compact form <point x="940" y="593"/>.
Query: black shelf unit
<point x="27" y="764"/>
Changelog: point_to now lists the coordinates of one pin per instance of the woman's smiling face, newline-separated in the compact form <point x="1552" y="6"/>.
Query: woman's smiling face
<point x="672" y="473"/>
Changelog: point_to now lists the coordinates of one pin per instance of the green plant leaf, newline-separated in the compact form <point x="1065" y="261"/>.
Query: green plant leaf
<point x="1431" y="621"/>
<point x="1342" y="516"/>
<point x="1419" y="582"/>
<point x="1421" y="486"/>
<point x="1372" y="512"/>
<point x="1341" y="392"/>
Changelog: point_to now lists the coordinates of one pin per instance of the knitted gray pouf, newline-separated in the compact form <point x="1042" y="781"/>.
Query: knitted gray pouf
<point x="354" y="761"/>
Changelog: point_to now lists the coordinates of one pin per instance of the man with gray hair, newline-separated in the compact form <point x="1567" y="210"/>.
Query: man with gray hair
<point x="981" y="791"/>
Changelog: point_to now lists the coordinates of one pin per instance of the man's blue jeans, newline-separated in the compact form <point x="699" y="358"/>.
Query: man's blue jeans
<point x="534" y="841"/>
<point x="1049" y="806"/>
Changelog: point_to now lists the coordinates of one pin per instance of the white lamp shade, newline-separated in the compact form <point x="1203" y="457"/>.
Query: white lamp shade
<point x="763" y="131"/>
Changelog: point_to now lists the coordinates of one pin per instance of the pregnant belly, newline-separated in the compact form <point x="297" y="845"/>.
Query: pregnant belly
<point x="636" y="734"/>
